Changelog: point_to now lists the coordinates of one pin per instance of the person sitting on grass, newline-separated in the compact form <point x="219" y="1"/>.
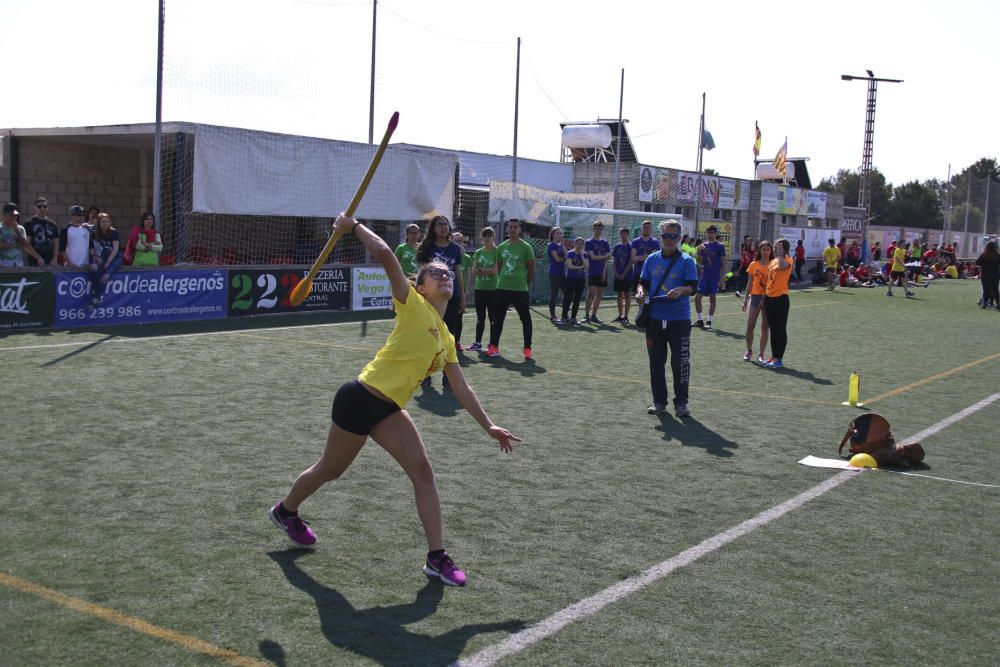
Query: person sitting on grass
<point x="374" y="404"/>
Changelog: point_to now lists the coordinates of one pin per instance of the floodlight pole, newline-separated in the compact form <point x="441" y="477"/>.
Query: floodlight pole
<point x="158" y="131"/>
<point x="864" y="193"/>
<point x="371" y="97"/>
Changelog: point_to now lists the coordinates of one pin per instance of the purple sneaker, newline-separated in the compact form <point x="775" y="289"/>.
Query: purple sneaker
<point x="298" y="531"/>
<point x="444" y="568"/>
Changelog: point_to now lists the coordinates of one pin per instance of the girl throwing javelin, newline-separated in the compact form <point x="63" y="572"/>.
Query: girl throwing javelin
<point x="374" y="403"/>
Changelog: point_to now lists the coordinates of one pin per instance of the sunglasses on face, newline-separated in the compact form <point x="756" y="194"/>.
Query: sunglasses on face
<point x="670" y="236"/>
<point x="438" y="274"/>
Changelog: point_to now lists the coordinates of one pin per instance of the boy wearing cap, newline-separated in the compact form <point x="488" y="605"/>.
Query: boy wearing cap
<point x="76" y="239"/>
<point x="43" y="233"/>
<point x="13" y="239"/>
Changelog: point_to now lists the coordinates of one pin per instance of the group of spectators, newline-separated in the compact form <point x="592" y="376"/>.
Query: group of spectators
<point x="89" y="241"/>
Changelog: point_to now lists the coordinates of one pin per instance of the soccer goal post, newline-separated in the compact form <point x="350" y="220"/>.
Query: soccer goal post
<point x="578" y="221"/>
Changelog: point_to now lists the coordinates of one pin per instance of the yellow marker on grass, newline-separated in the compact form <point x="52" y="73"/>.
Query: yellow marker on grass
<point x="854" y="391"/>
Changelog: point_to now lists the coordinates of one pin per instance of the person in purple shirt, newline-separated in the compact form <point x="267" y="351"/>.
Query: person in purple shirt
<point x="557" y="270"/>
<point x="576" y="281"/>
<point x="622" y="257"/>
<point x="598" y="251"/>
<point x="712" y="255"/>
<point x="642" y="247"/>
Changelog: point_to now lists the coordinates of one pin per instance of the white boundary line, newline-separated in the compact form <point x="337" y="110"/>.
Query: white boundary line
<point x="595" y="603"/>
<point x="187" y="335"/>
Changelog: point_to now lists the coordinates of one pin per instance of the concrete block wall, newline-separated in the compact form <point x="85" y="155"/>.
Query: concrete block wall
<point x="116" y="179"/>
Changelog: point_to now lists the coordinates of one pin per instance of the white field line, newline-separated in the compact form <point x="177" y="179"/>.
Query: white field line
<point x="595" y="603"/>
<point x="146" y="339"/>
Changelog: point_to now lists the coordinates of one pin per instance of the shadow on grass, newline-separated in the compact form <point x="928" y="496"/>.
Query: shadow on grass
<point x="800" y="375"/>
<point x="727" y="334"/>
<point x="379" y="633"/>
<point x="526" y="367"/>
<point x="438" y="402"/>
<point x="692" y="433"/>
<point x="77" y="351"/>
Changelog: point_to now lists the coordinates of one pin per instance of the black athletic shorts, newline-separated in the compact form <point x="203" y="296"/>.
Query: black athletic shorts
<point x="623" y="285"/>
<point x="597" y="281"/>
<point x="357" y="410"/>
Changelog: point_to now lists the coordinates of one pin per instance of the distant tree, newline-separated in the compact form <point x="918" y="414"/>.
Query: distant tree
<point x="916" y="205"/>
<point x="984" y="167"/>
<point x="848" y="183"/>
<point x="710" y="172"/>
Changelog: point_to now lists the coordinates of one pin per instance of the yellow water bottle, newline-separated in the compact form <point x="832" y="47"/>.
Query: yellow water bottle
<point x="854" y="389"/>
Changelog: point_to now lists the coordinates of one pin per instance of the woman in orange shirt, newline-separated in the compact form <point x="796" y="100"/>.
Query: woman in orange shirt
<point x="757" y="275"/>
<point x="776" y="302"/>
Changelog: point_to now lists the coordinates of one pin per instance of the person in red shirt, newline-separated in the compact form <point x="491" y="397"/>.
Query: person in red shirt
<point x="800" y="260"/>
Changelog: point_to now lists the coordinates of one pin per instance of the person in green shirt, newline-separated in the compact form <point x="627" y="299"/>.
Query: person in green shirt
<point x="406" y="251"/>
<point x="517" y="270"/>
<point x="687" y="248"/>
<point x="485" y="267"/>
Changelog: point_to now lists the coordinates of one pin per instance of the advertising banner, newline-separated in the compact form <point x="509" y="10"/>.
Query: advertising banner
<point x="138" y="297"/>
<point x="370" y="288"/>
<point x="264" y="291"/>
<point x="816" y="204"/>
<point x="814" y="239"/>
<point x="768" y="197"/>
<point x="724" y="232"/>
<point x="687" y="189"/>
<point x="734" y="194"/>
<point x="26" y="300"/>
<point x="791" y="201"/>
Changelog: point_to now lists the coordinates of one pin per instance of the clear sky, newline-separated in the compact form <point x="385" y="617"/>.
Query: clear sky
<point x="448" y="67"/>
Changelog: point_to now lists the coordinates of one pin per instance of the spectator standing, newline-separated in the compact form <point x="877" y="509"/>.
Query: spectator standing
<point x="854" y="254"/>
<point x="76" y="239"/>
<point x="147" y="246"/>
<point x="989" y="275"/>
<point x="598" y="251"/>
<point x="800" y="260"/>
<point x="622" y="266"/>
<point x="776" y="302"/>
<point x="755" y="299"/>
<point x="746" y="256"/>
<point x="406" y="252"/>
<point x="105" y="258"/>
<point x="14" y="240"/>
<point x="642" y="247"/>
<point x="557" y="270"/>
<point x="668" y="279"/>
<point x="485" y="270"/>
<point x="437" y="246"/>
<point x="43" y="234"/>
<point x="877" y="255"/>
<point x="688" y="246"/>
<point x="576" y="281"/>
<point x="712" y="255"/>
<point x="517" y="271"/>
<point x="831" y="258"/>
<point x="462" y="283"/>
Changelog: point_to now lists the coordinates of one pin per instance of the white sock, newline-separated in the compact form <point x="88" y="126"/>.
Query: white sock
<point x="699" y="317"/>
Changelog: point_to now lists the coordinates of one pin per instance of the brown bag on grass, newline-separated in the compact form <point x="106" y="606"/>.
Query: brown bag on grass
<point x="871" y="433"/>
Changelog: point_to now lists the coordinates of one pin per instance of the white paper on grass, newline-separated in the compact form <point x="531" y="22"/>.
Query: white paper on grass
<point x="260" y="173"/>
<point x="817" y="462"/>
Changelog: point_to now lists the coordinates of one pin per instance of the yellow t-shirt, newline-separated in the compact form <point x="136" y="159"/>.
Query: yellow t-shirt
<point x="777" y="278"/>
<point x="758" y="277"/>
<point x="899" y="259"/>
<point x="832" y="256"/>
<point x="419" y="345"/>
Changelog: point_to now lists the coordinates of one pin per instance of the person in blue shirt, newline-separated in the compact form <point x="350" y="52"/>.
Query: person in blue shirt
<point x="643" y="246"/>
<point x="622" y="257"/>
<point x="669" y="277"/>
<point x="576" y="281"/>
<point x="598" y="251"/>
<point x="557" y="270"/>
<point x="712" y="255"/>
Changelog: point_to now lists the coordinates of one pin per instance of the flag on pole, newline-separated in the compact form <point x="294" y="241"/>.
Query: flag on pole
<point x="707" y="142"/>
<point x="756" y="141"/>
<point x="781" y="159"/>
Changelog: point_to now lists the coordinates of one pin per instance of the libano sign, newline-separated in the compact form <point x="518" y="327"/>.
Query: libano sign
<point x="27" y="300"/>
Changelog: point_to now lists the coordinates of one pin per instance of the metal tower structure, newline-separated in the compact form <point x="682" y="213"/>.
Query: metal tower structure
<point x="864" y="194"/>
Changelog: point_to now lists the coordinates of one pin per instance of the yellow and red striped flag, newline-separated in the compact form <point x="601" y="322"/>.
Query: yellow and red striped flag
<point x="781" y="159"/>
<point x="756" y="141"/>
